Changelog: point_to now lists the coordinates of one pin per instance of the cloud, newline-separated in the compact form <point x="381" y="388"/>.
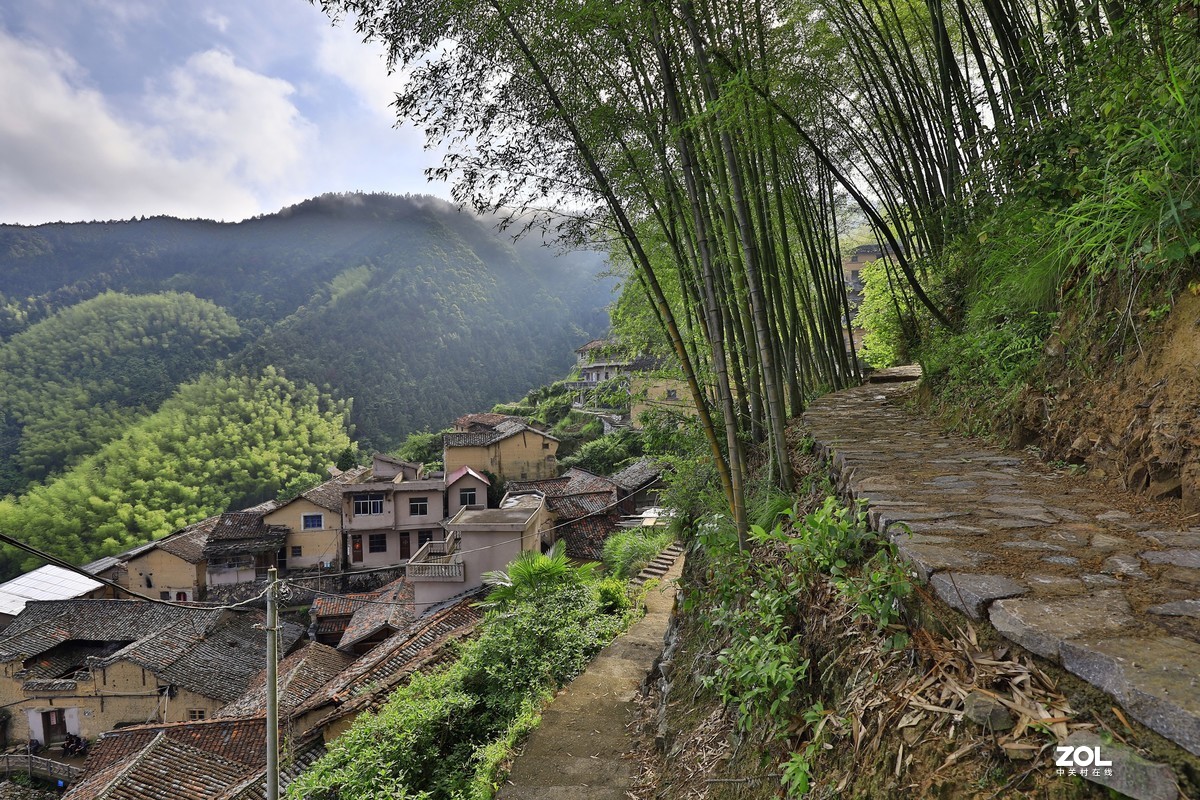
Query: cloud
<point x="218" y="141"/>
<point x="360" y="66"/>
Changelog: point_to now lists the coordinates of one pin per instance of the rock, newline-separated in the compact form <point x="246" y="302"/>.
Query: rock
<point x="1190" y="488"/>
<point x="1043" y="625"/>
<point x="1029" y="544"/>
<point x="1062" y="561"/>
<point x="971" y="594"/>
<point x="1129" y="774"/>
<point x="1106" y="541"/>
<point x="1122" y="564"/>
<point x="1153" y="679"/>
<point x="1031" y="513"/>
<point x="1100" y="581"/>
<point x="988" y="712"/>
<point x="1179" y="608"/>
<point x="1168" y="485"/>
<point x="1054" y="584"/>
<point x="1114" y="516"/>
<point x="1178" y="557"/>
<point x="926" y="559"/>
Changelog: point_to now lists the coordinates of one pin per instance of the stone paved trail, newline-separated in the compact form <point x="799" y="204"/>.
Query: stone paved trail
<point x="577" y="751"/>
<point x="1051" y="561"/>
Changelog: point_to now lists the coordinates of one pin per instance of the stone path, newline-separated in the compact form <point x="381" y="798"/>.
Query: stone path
<point x="1053" y="564"/>
<point x="577" y="752"/>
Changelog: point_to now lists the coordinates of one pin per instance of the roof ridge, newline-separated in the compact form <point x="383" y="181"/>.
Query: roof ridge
<point x="130" y="766"/>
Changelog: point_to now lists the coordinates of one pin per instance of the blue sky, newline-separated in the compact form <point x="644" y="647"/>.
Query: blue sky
<point x="220" y="109"/>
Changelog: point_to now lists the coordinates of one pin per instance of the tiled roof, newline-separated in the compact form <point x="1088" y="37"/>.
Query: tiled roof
<point x="485" y="419"/>
<point x="243" y="532"/>
<point x="46" y="623"/>
<point x="574" y="506"/>
<point x="300" y="676"/>
<point x="585" y="537"/>
<point x="418" y="647"/>
<point x="550" y="487"/>
<point x="585" y="481"/>
<point x="238" y="740"/>
<point x="462" y="472"/>
<point x="640" y="473"/>
<point x="328" y="495"/>
<point x="189" y="543"/>
<point x="391" y="608"/>
<point x="594" y="344"/>
<point x="502" y="431"/>
<point x="166" y="769"/>
<point x="215" y="660"/>
<point x="302" y="755"/>
<point x="342" y="605"/>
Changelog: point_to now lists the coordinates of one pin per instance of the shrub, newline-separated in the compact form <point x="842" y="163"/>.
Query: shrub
<point x="628" y="551"/>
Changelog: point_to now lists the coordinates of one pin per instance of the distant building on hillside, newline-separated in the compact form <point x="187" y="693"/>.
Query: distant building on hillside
<point x="511" y="450"/>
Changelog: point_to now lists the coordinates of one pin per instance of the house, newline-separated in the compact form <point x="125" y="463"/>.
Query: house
<point x="491" y="537"/>
<point x="652" y="393"/>
<point x="465" y="488"/>
<point x="241" y="547"/>
<point x="390" y="511"/>
<point x="44" y="583"/>
<point x="300" y="675"/>
<point x="216" y="759"/>
<point x="601" y="360"/>
<point x="473" y="423"/>
<point x="172" y="568"/>
<point x="87" y="666"/>
<point x="331" y="615"/>
<point x="640" y="484"/>
<point x="314" y="523"/>
<point x="388" y="611"/>
<point x="511" y="450"/>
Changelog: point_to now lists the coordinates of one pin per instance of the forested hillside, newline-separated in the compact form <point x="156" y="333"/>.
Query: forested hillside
<point x="154" y="372"/>
<point x="416" y="311"/>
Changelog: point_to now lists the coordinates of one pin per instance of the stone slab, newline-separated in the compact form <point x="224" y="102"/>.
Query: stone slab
<point x="1178" y="608"/>
<point x="1154" y="680"/>
<point x="1178" y="557"/>
<point x="1129" y="774"/>
<point x="971" y="594"/>
<point x="1043" y="625"/>
<point x="1122" y="564"/>
<point x="926" y="559"/>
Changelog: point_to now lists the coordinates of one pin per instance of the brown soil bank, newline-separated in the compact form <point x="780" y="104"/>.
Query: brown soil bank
<point x="1134" y="420"/>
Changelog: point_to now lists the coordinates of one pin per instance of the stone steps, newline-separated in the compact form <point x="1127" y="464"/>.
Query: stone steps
<point x="660" y="565"/>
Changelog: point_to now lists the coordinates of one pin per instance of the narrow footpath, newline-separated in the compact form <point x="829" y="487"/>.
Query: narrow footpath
<point x="577" y="752"/>
<point x="1062" y="566"/>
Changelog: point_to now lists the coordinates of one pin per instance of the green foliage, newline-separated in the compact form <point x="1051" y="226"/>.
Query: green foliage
<point x="532" y="574"/>
<point x="607" y="454"/>
<point x="75" y="380"/>
<point x="629" y="550"/>
<point x="217" y="443"/>
<point x="423" y="447"/>
<point x="445" y="735"/>
<point x="613" y="595"/>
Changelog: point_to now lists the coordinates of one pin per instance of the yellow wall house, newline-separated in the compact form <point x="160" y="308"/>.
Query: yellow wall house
<point x="658" y="394"/>
<point x="172" y="568"/>
<point x="511" y="450"/>
<point x="86" y="666"/>
<point x="314" y="523"/>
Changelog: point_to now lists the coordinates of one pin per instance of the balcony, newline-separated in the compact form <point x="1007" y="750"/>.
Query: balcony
<point x="437" y="561"/>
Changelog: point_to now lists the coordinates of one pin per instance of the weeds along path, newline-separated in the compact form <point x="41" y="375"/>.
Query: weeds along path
<point x="1103" y="583"/>
<point x="578" y="750"/>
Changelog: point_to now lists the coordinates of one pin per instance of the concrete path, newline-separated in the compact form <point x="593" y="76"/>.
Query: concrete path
<point x="577" y="751"/>
<point x="1053" y="562"/>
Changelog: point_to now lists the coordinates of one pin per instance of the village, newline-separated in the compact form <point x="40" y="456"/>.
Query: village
<point x="154" y="667"/>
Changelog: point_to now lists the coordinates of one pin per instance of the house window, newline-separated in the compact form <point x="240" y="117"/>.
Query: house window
<point x="196" y="714"/>
<point x="466" y="497"/>
<point x="315" y="522"/>
<point x="164" y="595"/>
<point x="297" y="551"/>
<point x="424" y="537"/>
<point x="418" y="506"/>
<point x="368" y="504"/>
<point x="545" y="445"/>
<point x="377" y="543"/>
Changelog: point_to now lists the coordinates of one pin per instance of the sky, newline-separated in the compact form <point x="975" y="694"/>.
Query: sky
<point x="219" y="109"/>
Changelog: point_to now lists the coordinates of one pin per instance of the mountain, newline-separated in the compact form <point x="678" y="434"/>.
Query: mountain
<point x="414" y="310"/>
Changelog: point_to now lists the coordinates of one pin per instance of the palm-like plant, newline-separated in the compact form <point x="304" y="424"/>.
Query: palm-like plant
<point x="532" y="574"/>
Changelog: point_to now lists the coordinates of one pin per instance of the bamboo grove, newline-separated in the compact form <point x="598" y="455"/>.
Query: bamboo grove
<point x="725" y="146"/>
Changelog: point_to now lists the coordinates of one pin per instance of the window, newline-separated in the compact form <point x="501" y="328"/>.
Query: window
<point x="377" y="543"/>
<point x="418" y="506"/>
<point x="424" y="537"/>
<point x="545" y="445"/>
<point x="164" y="595"/>
<point x="315" y="522"/>
<point x="297" y="551"/>
<point x="196" y="714"/>
<point x="368" y="504"/>
<point x="466" y="497"/>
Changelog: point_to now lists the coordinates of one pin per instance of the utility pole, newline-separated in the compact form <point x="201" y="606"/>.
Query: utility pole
<point x="272" y="687"/>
